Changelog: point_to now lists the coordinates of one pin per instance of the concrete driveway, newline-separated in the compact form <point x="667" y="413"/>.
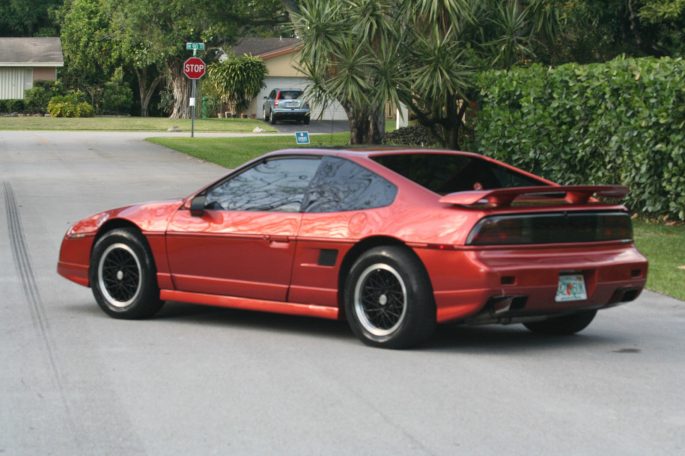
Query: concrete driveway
<point x="200" y="380"/>
<point x="315" y="126"/>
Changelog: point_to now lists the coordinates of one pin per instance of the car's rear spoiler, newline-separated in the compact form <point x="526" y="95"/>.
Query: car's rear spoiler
<point x="503" y="197"/>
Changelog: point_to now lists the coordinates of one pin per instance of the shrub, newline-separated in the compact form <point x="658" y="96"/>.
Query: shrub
<point x="70" y="105"/>
<point x="416" y="135"/>
<point x="237" y="80"/>
<point x="11" y="106"/>
<point x="618" y="122"/>
<point x="117" y="96"/>
<point x="37" y="98"/>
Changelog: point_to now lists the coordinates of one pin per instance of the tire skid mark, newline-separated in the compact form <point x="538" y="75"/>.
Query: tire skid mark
<point x="22" y="263"/>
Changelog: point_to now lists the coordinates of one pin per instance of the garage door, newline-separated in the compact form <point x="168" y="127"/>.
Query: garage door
<point x="13" y="82"/>
<point x="332" y="112"/>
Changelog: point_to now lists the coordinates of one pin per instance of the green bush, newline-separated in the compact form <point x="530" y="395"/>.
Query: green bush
<point x="618" y="122"/>
<point x="37" y="98"/>
<point x="70" y="105"/>
<point x="416" y="135"/>
<point x="11" y="106"/>
<point x="117" y="96"/>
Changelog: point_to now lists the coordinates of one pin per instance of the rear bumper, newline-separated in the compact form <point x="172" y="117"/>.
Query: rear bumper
<point x="291" y="113"/>
<point x="504" y="285"/>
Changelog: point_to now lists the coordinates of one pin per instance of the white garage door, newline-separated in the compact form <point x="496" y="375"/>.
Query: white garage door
<point x="13" y="82"/>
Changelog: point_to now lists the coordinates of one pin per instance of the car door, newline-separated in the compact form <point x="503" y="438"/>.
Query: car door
<point x="243" y="242"/>
<point x="344" y="199"/>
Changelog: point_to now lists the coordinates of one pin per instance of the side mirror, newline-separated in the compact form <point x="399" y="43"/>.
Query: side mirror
<point x="265" y="98"/>
<point x="197" y="206"/>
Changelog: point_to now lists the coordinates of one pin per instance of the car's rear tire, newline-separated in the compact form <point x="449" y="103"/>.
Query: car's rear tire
<point x="388" y="299"/>
<point x="306" y="121"/>
<point x="123" y="275"/>
<point x="563" y="326"/>
<point x="272" y="118"/>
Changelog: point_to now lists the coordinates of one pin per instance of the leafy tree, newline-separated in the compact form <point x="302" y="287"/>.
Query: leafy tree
<point x="667" y="17"/>
<point x="154" y="34"/>
<point x="28" y="17"/>
<point x="599" y="30"/>
<point x="148" y="39"/>
<point x="238" y="80"/>
<point x="87" y="46"/>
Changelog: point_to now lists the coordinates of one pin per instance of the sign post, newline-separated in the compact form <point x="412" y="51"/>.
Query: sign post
<point x="194" y="68"/>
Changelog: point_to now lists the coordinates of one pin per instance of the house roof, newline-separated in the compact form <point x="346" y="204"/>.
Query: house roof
<point x="32" y="52"/>
<point x="266" y="48"/>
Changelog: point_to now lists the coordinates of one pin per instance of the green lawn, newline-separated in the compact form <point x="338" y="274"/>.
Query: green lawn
<point x="664" y="246"/>
<point x="130" y="124"/>
<point x="231" y="152"/>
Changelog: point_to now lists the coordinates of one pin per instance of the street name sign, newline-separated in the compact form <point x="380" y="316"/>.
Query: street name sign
<point x="195" y="46"/>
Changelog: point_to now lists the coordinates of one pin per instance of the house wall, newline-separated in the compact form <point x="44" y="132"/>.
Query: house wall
<point x="44" y="74"/>
<point x="14" y="81"/>
<point x="284" y="65"/>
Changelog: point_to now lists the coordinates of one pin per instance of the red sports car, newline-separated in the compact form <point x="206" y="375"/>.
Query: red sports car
<point x="394" y="241"/>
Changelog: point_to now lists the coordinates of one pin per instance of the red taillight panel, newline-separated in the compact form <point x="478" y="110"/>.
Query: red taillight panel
<point x="552" y="228"/>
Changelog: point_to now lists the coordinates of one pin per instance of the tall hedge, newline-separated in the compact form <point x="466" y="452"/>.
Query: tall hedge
<point x="617" y="122"/>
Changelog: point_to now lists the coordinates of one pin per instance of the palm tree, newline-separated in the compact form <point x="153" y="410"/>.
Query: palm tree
<point x="423" y="53"/>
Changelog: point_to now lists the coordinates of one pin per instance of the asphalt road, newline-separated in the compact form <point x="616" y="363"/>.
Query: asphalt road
<point x="200" y="380"/>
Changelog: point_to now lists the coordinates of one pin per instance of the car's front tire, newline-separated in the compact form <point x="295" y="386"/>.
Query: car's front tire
<point x="388" y="299"/>
<point x="563" y="326"/>
<point x="123" y="275"/>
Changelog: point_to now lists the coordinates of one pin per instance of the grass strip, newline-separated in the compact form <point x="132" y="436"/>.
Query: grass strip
<point x="130" y="124"/>
<point x="231" y="152"/>
<point x="664" y="247"/>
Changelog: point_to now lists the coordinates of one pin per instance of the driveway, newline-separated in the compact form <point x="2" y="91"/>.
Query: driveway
<point x="200" y="380"/>
<point x="315" y="126"/>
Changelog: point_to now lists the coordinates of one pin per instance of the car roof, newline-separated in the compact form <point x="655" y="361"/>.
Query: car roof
<point x="366" y="151"/>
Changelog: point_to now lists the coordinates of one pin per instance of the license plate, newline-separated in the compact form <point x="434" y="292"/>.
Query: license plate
<point x="571" y="288"/>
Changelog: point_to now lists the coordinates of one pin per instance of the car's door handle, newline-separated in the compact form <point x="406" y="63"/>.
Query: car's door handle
<point x="277" y="242"/>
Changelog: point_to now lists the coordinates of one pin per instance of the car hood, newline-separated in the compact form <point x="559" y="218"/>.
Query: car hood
<point x="149" y="217"/>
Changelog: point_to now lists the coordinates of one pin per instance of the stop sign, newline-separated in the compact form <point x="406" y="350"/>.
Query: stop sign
<point x="194" y="68"/>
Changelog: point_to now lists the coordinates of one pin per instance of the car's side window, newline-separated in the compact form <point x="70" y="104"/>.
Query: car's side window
<point x="341" y="185"/>
<point x="272" y="185"/>
<point x="272" y="95"/>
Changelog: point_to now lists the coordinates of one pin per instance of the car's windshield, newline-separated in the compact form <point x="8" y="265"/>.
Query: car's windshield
<point x="448" y="173"/>
<point x="290" y="94"/>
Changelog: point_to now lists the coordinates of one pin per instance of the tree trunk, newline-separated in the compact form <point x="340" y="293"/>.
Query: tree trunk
<point x="146" y="91"/>
<point x="180" y="87"/>
<point x="452" y="122"/>
<point x="359" y="125"/>
<point x="377" y="125"/>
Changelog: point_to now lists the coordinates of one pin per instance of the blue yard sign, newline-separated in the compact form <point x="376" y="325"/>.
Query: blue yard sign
<point x="302" y="137"/>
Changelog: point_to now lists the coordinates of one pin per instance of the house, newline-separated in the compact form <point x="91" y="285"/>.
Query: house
<point x="24" y="61"/>
<point x="281" y="57"/>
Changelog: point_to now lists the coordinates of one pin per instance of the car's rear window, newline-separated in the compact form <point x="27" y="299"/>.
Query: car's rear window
<point x="447" y="173"/>
<point x="290" y="94"/>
